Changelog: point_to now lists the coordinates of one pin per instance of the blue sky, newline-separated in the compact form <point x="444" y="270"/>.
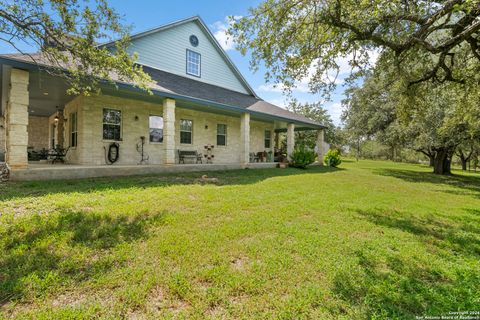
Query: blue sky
<point x="144" y="14"/>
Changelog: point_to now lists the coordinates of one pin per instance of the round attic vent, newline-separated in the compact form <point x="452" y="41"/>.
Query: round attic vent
<point x="194" y="40"/>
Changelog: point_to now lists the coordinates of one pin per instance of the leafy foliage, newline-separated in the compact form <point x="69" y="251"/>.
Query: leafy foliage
<point x="307" y="39"/>
<point x="66" y="33"/>
<point x="315" y="112"/>
<point x="332" y="158"/>
<point x="431" y="118"/>
<point x="302" y="156"/>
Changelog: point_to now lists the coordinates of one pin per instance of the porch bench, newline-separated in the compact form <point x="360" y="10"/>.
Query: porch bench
<point x="194" y="155"/>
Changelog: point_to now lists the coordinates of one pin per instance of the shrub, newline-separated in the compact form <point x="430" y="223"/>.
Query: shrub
<point x="332" y="158"/>
<point x="302" y="157"/>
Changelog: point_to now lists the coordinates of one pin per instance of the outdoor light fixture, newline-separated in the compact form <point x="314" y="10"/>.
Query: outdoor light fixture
<point x="56" y="116"/>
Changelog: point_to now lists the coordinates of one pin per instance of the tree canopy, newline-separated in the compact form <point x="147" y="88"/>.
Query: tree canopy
<point x="67" y="33"/>
<point x="306" y="38"/>
<point x="435" y="118"/>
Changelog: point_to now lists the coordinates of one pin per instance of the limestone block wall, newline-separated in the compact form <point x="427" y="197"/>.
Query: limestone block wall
<point x="38" y="132"/>
<point x="2" y="134"/>
<point x="73" y="154"/>
<point x="257" y="136"/>
<point x="135" y="123"/>
<point x="90" y="144"/>
<point x="205" y="132"/>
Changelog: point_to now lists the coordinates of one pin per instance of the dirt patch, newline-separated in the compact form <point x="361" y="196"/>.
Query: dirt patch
<point x="240" y="263"/>
<point x="158" y="300"/>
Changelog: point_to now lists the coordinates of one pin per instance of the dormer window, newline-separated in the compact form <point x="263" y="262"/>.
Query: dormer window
<point x="193" y="63"/>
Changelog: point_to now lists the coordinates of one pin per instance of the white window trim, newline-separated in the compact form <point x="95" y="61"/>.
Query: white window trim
<point x="269" y="139"/>
<point x="121" y="125"/>
<point x="191" y="132"/>
<point x="153" y="142"/>
<point x="224" y="134"/>
<point x="199" y="75"/>
<point x="72" y="131"/>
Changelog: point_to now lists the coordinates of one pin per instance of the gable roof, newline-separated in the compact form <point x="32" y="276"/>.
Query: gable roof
<point x="210" y="36"/>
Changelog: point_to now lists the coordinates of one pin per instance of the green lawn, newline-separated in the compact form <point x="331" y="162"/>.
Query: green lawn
<point x="369" y="240"/>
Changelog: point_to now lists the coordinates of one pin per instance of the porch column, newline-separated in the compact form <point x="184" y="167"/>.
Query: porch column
<point x="320" y="139"/>
<point x="169" y="131"/>
<point x="290" y="139"/>
<point x="16" y="120"/>
<point x="245" y="139"/>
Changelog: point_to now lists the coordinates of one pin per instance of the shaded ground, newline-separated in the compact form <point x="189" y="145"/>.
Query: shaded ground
<point x="372" y="240"/>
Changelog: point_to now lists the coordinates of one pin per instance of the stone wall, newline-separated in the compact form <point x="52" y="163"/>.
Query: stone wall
<point x="38" y="132"/>
<point x="135" y="123"/>
<point x="2" y="134"/>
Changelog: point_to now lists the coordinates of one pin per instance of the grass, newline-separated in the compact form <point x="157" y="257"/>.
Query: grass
<point x="371" y="240"/>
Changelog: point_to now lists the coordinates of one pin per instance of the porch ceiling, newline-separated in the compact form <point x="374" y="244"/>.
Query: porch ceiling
<point x="46" y="93"/>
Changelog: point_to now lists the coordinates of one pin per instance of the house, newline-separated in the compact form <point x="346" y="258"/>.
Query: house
<point x="200" y="99"/>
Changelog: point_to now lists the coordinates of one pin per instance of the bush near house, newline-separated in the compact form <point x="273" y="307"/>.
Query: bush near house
<point x="332" y="158"/>
<point x="302" y="156"/>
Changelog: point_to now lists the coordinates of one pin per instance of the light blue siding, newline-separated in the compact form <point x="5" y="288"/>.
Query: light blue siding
<point x="166" y="50"/>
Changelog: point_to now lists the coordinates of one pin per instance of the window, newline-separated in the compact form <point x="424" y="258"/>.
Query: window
<point x="268" y="138"/>
<point x="186" y="127"/>
<point x="73" y="129"/>
<point x="193" y="63"/>
<point x="156" y="128"/>
<point x="221" y="134"/>
<point x="112" y="124"/>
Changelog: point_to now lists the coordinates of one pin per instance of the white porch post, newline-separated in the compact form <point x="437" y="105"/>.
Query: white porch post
<point x="169" y="131"/>
<point x="245" y="139"/>
<point x="16" y="120"/>
<point x="320" y="139"/>
<point x="290" y="139"/>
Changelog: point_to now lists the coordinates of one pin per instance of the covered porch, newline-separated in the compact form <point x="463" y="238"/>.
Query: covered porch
<point x="39" y="119"/>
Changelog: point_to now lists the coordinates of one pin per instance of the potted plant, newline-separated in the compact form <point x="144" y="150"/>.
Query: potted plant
<point x="270" y="156"/>
<point x="283" y="161"/>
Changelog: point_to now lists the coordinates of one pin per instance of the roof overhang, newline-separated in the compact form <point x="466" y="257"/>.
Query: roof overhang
<point x="127" y="90"/>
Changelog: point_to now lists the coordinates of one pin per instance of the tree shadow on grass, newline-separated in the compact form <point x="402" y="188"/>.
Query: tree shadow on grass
<point x="386" y="284"/>
<point x="395" y="287"/>
<point x="466" y="185"/>
<point x="12" y="190"/>
<point x="41" y="253"/>
<point x="459" y="234"/>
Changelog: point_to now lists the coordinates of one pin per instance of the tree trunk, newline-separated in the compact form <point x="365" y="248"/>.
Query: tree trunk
<point x="442" y="162"/>
<point x="464" y="164"/>
<point x="464" y="158"/>
<point x="429" y="154"/>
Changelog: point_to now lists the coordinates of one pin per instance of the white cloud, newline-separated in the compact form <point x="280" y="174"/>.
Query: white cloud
<point x="344" y="70"/>
<point x="335" y="109"/>
<point x="282" y="103"/>
<point x="220" y="32"/>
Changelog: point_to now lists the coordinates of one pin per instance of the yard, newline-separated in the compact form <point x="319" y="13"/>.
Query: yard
<point x="369" y="240"/>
